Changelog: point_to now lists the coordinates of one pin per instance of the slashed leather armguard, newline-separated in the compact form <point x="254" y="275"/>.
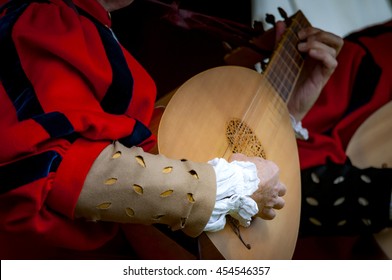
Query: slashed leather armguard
<point x="127" y="185"/>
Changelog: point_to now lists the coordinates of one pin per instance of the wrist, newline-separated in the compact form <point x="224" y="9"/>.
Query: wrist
<point x="236" y="182"/>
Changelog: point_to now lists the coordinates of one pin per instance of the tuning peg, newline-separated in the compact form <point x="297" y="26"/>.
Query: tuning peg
<point x="269" y="18"/>
<point x="258" y="28"/>
<point x="283" y="14"/>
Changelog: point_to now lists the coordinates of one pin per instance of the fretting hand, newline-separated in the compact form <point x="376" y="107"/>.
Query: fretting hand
<point x="322" y="49"/>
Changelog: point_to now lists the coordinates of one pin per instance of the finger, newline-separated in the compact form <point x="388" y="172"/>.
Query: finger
<point x="316" y="45"/>
<point x="328" y="60"/>
<point x="282" y="189"/>
<point x="280" y="27"/>
<point x="267" y="213"/>
<point x="320" y="52"/>
<point x="315" y="34"/>
<point x="280" y="203"/>
<point x="305" y="33"/>
<point x="329" y="39"/>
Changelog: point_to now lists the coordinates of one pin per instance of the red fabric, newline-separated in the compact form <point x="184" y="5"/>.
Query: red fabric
<point x="62" y="55"/>
<point x="330" y="129"/>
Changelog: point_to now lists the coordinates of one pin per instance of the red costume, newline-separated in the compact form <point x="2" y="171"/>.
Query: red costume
<point x="60" y="67"/>
<point x="360" y="85"/>
<point x="337" y="197"/>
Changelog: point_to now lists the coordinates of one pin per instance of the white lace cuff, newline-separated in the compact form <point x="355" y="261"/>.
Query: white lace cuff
<point x="236" y="181"/>
<point x="300" y="132"/>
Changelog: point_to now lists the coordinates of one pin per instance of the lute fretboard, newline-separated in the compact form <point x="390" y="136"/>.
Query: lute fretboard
<point x="286" y="63"/>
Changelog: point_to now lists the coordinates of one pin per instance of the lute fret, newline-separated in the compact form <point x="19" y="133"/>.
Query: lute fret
<point x="286" y="63"/>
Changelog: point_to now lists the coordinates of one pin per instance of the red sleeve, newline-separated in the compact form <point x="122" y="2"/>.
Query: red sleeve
<point x="73" y="75"/>
<point x="328" y="111"/>
<point x="63" y="58"/>
<point x="359" y="86"/>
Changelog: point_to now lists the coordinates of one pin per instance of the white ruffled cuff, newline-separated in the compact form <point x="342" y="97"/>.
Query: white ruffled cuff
<point x="300" y="132"/>
<point x="236" y="181"/>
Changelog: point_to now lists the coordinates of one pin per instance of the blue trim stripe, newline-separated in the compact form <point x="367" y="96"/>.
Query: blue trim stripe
<point x="139" y="134"/>
<point x="28" y="170"/>
<point x="13" y="78"/>
<point x="55" y="123"/>
<point x="119" y="94"/>
<point x="17" y="85"/>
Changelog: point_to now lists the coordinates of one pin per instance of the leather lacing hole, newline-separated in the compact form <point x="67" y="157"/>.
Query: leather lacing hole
<point x="315" y="178"/>
<point x="366" y="179"/>
<point x="116" y="155"/>
<point x="342" y="223"/>
<point x="312" y="201"/>
<point x="138" y="189"/>
<point x="190" y="198"/>
<point x="315" y="221"/>
<point x="338" y="180"/>
<point x="363" y="201"/>
<point x="140" y="161"/>
<point x="167" y="193"/>
<point x="104" y="206"/>
<point x="157" y="217"/>
<point x="167" y="169"/>
<point x="339" y="201"/>
<point x="367" y="222"/>
<point x="194" y="174"/>
<point x="183" y="221"/>
<point x="130" y="212"/>
<point x="110" y="181"/>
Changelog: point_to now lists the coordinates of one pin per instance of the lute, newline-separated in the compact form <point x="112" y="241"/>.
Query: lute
<point x="231" y="109"/>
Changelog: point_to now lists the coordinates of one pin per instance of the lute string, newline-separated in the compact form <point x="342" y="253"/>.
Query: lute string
<point x="281" y="75"/>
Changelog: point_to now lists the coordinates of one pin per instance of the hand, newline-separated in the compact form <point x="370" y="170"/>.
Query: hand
<point x="321" y="48"/>
<point x="270" y="191"/>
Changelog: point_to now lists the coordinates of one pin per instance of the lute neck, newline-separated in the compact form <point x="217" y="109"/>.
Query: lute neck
<point x="286" y="62"/>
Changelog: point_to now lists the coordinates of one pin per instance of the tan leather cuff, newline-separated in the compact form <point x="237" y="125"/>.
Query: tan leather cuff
<point x="127" y="185"/>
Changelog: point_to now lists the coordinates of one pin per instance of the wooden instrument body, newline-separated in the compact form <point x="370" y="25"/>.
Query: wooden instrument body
<point x="371" y="146"/>
<point x="194" y="126"/>
<point x="235" y="109"/>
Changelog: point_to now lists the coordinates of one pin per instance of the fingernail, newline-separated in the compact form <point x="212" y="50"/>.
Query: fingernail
<point x="301" y="46"/>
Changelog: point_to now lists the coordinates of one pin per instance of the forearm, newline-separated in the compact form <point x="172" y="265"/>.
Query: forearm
<point x="127" y="185"/>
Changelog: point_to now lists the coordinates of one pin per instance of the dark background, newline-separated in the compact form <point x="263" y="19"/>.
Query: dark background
<point x="169" y="53"/>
